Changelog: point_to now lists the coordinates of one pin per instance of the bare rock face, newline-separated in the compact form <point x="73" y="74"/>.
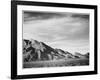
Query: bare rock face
<point x="34" y="50"/>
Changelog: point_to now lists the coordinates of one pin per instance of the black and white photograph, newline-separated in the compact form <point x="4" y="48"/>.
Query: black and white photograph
<point x="55" y="39"/>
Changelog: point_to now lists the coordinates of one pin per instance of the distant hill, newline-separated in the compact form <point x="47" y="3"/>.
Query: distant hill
<point x="34" y="50"/>
<point x="87" y="55"/>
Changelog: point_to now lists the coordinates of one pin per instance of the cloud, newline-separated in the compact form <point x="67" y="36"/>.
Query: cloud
<point x="58" y="29"/>
<point x="28" y="16"/>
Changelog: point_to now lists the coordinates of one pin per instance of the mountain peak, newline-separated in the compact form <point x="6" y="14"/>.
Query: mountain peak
<point x="34" y="41"/>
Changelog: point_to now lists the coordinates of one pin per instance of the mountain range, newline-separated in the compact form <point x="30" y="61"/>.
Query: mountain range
<point x="34" y="50"/>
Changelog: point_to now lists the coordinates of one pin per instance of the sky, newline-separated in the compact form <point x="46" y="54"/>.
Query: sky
<point x="64" y="30"/>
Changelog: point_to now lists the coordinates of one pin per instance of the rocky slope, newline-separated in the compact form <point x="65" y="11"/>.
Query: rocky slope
<point x="34" y="50"/>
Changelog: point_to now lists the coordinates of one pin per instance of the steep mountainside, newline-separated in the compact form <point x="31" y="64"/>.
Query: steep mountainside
<point x="34" y="50"/>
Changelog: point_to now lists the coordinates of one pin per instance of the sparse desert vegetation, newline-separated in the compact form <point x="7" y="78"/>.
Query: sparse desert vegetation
<point x="57" y="63"/>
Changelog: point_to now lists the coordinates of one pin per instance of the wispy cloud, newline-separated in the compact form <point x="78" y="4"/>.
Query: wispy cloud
<point x="59" y="30"/>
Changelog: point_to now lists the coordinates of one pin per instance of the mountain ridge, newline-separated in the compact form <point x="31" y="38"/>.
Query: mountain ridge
<point x="34" y="50"/>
